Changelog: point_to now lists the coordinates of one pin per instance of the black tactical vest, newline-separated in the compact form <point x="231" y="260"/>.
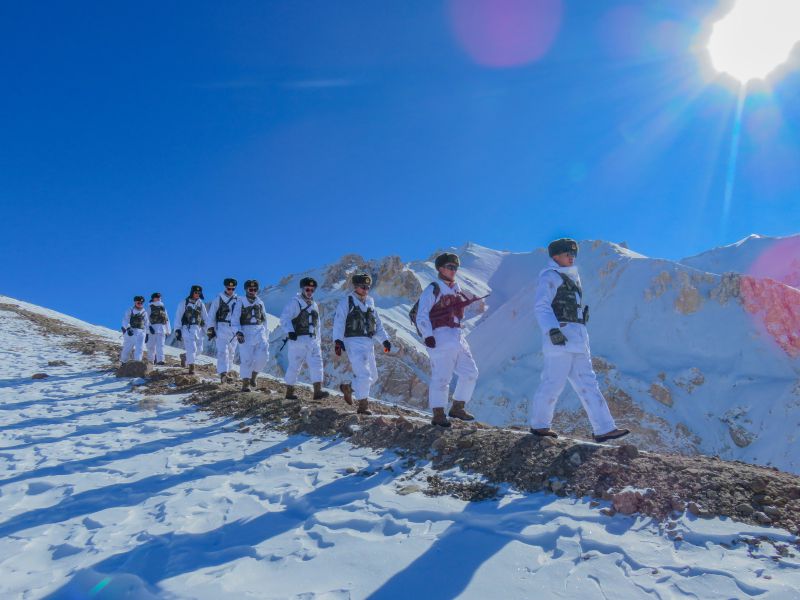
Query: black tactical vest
<point x="359" y="323"/>
<point x="224" y="310"/>
<point x="307" y="321"/>
<point x="158" y="315"/>
<point x="137" y="320"/>
<point x="567" y="301"/>
<point x="191" y="315"/>
<point x="252" y="315"/>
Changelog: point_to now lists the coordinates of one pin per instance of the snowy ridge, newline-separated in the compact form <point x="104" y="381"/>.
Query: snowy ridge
<point x="691" y="359"/>
<point x="108" y="493"/>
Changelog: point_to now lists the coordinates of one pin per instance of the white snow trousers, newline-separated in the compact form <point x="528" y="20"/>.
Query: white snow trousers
<point x="361" y="352"/>
<point x="192" y="342"/>
<point x="447" y="359"/>
<point x="226" y="347"/>
<point x="305" y="349"/>
<point x="577" y="369"/>
<point x="132" y="344"/>
<point x="254" y="352"/>
<point x="155" y="347"/>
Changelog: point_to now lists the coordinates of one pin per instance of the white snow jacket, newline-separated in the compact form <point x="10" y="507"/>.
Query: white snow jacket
<point x="182" y="307"/>
<point x="164" y="328"/>
<point x="212" y="311"/>
<point x="126" y="320"/>
<point x="340" y="318"/>
<point x="293" y="308"/>
<point x="576" y="334"/>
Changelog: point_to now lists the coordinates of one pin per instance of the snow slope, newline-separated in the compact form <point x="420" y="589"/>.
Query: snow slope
<point x="107" y="494"/>
<point x="691" y="359"/>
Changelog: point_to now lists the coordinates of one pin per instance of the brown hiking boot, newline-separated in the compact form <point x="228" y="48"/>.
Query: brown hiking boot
<point x="183" y="359"/>
<point x="439" y="418"/>
<point x="290" y="395"/>
<point x="191" y="369"/>
<point x="459" y="412"/>
<point x="245" y="385"/>
<point x="318" y="393"/>
<point x="253" y="379"/>
<point x="614" y="434"/>
<point x="544" y="432"/>
<point x="363" y="407"/>
<point x="222" y="377"/>
<point x="347" y="390"/>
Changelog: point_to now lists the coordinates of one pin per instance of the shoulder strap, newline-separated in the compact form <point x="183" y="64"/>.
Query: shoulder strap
<point x="350" y="304"/>
<point x="436" y="290"/>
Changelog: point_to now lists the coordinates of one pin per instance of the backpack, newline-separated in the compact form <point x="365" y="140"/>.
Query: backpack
<point x="412" y="314"/>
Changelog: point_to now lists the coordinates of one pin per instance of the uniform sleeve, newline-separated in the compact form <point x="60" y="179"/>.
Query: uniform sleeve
<point x="203" y="312"/>
<point x="126" y="320"/>
<point x="545" y="292"/>
<point x="379" y="330"/>
<point x="426" y="302"/>
<point x="290" y="311"/>
<point x="236" y="315"/>
<point x="212" y="313"/>
<point x="179" y="314"/>
<point x="167" y="326"/>
<point x="339" y="319"/>
<point x="146" y="319"/>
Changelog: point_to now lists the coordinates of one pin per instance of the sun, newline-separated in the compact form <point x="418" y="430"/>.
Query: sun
<point x="755" y="37"/>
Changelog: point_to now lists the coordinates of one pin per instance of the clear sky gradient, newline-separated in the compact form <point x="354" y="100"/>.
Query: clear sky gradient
<point x="150" y="145"/>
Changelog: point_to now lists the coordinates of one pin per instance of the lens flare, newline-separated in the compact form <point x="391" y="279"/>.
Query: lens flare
<point x="754" y="38"/>
<point x="505" y="33"/>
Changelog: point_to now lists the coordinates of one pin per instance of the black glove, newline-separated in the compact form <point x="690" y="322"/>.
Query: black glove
<point x="430" y="341"/>
<point x="387" y="346"/>
<point x="585" y="315"/>
<point x="130" y="331"/>
<point x="123" y="329"/>
<point x="152" y="329"/>
<point x="211" y="334"/>
<point x="293" y="336"/>
<point x="179" y="335"/>
<point x="240" y="337"/>
<point x="146" y="337"/>
<point x="557" y="337"/>
<point x="338" y="347"/>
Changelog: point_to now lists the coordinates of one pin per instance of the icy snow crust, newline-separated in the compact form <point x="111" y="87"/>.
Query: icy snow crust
<point x="106" y="495"/>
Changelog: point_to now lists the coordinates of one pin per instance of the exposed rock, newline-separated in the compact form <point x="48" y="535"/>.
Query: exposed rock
<point x="627" y="502"/>
<point x="57" y="363"/>
<point x="661" y="394"/>
<point x="411" y="488"/>
<point x="133" y="368"/>
<point x="659" y="284"/>
<point x="744" y="509"/>
<point x="39" y="376"/>
<point x="688" y="300"/>
<point x="628" y="451"/>
<point x="740" y="436"/>
<point x="758" y="485"/>
<point x="762" y="518"/>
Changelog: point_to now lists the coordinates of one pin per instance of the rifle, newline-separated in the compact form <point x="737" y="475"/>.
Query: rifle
<point x="456" y="306"/>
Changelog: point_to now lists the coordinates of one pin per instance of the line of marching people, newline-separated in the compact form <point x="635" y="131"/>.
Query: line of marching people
<point x="438" y="315"/>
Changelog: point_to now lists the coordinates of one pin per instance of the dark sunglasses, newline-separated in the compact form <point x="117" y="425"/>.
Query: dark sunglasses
<point x="310" y="289"/>
<point x="362" y="286"/>
<point x="138" y="301"/>
<point x="451" y="267"/>
<point x="252" y="289"/>
<point x="230" y="288"/>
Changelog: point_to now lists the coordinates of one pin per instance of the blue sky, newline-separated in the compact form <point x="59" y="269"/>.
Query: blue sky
<point x="148" y="146"/>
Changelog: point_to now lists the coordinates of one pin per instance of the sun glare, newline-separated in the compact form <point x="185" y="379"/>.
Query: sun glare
<point x="755" y="37"/>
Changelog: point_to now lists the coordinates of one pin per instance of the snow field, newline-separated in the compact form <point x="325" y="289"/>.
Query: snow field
<point x="106" y="493"/>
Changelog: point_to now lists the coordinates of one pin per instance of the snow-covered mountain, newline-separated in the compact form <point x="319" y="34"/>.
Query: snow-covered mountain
<point x="693" y="358"/>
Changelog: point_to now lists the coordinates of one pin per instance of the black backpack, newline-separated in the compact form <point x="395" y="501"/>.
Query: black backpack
<point x="412" y="314"/>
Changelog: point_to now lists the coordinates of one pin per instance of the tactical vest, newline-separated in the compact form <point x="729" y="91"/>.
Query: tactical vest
<point x="359" y="323"/>
<point x="252" y="315"/>
<point x="307" y="321"/>
<point x="191" y="315"/>
<point x="567" y="301"/>
<point x="158" y="315"/>
<point x="224" y="310"/>
<point x="448" y="311"/>
<point x="136" y="320"/>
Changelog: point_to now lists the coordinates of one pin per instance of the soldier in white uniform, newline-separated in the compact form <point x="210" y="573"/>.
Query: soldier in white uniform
<point x="219" y="326"/>
<point x="439" y="315"/>
<point x="159" y="329"/>
<point x="192" y="316"/>
<point x="250" y="318"/>
<point x="134" y="325"/>
<point x="357" y="322"/>
<point x="300" y="320"/>
<point x="562" y="317"/>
